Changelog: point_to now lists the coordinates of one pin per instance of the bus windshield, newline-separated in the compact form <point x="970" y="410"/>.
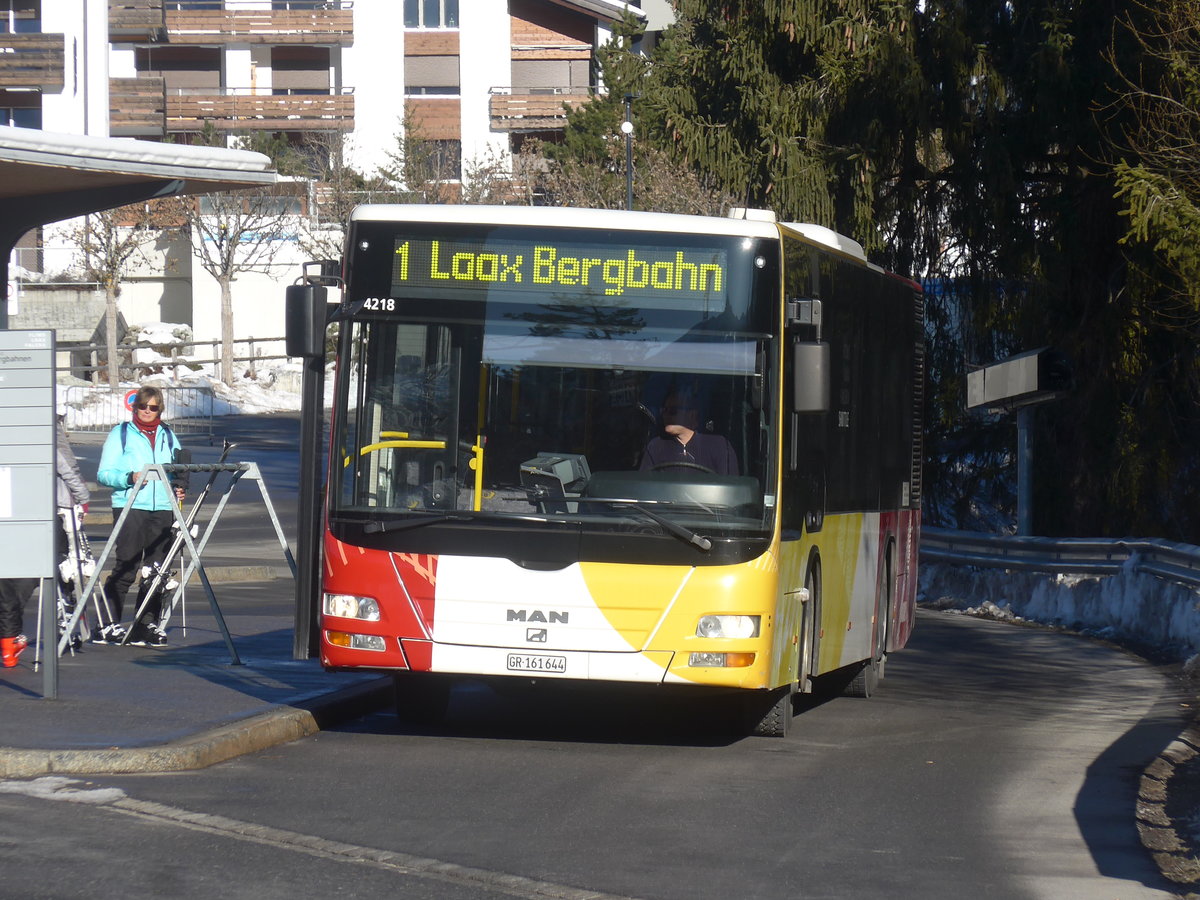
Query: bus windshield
<point x="529" y="378"/>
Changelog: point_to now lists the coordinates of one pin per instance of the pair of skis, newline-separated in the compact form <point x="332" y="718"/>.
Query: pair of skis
<point x="74" y="570"/>
<point x="158" y="578"/>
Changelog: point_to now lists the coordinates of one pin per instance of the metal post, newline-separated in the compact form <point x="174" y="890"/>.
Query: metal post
<point x="48" y="639"/>
<point x="305" y="643"/>
<point x="627" y="129"/>
<point x="1024" y="471"/>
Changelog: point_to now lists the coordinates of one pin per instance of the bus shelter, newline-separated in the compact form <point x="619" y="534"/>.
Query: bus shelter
<point x="47" y="177"/>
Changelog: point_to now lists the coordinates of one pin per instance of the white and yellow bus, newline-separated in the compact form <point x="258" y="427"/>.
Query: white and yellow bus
<point x="617" y="446"/>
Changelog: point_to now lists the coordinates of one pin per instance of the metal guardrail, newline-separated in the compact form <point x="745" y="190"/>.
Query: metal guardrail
<point x="95" y="410"/>
<point x="1085" y="556"/>
<point x="167" y="355"/>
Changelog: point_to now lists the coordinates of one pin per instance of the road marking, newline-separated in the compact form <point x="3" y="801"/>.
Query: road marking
<point x="62" y="789"/>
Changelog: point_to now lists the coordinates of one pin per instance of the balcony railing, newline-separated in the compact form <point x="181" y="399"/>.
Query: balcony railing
<point x="302" y="24"/>
<point x="205" y="22"/>
<point x="240" y="109"/>
<point x="32" y="61"/>
<point x="137" y="107"/>
<point x="143" y="106"/>
<point x="534" y="109"/>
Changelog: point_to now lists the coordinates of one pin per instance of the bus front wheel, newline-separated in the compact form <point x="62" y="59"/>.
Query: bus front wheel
<point x="769" y="713"/>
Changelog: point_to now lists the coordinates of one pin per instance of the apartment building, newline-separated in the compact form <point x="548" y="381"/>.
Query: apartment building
<point x="476" y="77"/>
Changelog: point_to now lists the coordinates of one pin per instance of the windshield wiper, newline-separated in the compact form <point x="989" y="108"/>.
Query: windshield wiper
<point x="413" y="520"/>
<point x="673" y="528"/>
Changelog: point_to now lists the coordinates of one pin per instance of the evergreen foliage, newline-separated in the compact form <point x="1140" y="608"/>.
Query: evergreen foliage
<point x="589" y="167"/>
<point x="993" y="150"/>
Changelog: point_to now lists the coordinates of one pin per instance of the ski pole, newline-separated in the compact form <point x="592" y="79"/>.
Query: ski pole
<point x="79" y="571"/>
<point x="87" y="566"/>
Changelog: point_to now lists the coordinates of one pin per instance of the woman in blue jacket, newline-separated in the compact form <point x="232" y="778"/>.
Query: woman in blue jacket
<point x="146" y="534"/>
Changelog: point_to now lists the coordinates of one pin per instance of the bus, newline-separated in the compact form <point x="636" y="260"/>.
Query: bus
<point x="612" y="446"/>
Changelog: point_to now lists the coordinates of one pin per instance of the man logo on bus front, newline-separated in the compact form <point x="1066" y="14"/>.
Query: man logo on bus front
<point x="536" y="635"/>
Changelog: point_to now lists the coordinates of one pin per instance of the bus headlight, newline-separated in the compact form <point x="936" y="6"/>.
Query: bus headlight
<point x="348" y="606"/>
<point x="721" y="660"/>
<point x="356" y="641"/>
<point x="728" y="626"/>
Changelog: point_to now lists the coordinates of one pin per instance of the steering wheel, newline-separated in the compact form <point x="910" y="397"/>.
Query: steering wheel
<point x="680" y="464"/>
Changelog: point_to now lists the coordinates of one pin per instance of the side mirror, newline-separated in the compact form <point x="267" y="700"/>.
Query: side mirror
<point x="810" y="377"/>
<point x="304" y="320"/>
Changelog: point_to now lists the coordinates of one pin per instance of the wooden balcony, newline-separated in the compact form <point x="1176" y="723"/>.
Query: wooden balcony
<point x="260" y="26"/>
<point x="523" y="109"/>
<point x="135" y="20"/>
<point x="32" y="61"/>
<point x="137" y="107"/>
<point x="141" y="107"/>
<point x="261" y="112"/>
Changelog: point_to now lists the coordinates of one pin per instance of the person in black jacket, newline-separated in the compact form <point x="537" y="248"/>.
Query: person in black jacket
<point x="683" y="445"/>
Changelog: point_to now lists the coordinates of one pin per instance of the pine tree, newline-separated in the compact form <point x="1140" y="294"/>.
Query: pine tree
<point x="970" y="144"/>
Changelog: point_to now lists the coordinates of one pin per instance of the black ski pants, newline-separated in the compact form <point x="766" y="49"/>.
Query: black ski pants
<point x="14" y="594"/>
<point x="143" y="540"/>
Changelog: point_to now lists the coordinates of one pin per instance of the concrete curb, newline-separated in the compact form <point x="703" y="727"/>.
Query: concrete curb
<point x="1165" y="837"/>
<point x="277" y="725"/>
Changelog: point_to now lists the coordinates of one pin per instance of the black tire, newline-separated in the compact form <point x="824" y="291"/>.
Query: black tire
<point x="770" y="713"/>
<point x="421" y="698"/>
<point x="866" y="680"/>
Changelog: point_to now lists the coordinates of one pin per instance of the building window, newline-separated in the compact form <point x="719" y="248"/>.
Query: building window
<point x="20" y="16"/>
<point x="430" y="13"/>
<point x="21" y="117"/>
<point x="431" y="76"/>
<point x="433" y="162"/>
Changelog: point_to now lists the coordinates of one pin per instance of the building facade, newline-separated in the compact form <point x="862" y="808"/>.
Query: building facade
<point x="474" y="78"/>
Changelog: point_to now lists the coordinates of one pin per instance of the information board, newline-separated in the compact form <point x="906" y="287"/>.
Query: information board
<point x="27" y="436"/>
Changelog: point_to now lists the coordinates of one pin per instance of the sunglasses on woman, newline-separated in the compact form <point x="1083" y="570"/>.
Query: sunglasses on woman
<point x="153" y="407"/>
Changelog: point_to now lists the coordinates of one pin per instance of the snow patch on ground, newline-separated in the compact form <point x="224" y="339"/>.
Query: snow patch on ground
<point x="1129" y="607"/>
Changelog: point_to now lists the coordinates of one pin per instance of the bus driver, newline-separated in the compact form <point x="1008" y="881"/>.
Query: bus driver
<point x="682" y="444"/>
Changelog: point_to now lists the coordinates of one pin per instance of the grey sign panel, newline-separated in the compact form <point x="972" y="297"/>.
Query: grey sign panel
<point x="11" y="376"/>
<point x="1004" y="383"/>
<point x="19" y="454"/>
<point x="27" y="470"/>
<point x="22" y="491"/>
<point x="13" y="359"/>
<point x="17" y="410"/>
<point x="26" y="549"/>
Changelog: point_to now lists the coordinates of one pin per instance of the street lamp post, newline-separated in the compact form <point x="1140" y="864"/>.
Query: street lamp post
<point x="627" y="130"/>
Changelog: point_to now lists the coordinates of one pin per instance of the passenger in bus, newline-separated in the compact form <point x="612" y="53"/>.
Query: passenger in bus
<point x="683" y="445"/>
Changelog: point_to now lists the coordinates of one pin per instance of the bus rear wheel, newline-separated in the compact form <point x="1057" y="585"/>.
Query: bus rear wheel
<point x="421" y="698"/>
<point x="866" y="680"/>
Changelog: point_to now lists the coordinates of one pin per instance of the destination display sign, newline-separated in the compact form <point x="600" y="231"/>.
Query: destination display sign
<point x="562" y="268"/>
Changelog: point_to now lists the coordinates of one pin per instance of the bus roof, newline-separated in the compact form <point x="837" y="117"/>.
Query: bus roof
<point x="819" y="234"/>
<point x="758" y="223"/>
<point x="564" y="217"/>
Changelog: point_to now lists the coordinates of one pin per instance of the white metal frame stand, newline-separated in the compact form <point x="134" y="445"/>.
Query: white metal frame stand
<point x="160" y="472"/>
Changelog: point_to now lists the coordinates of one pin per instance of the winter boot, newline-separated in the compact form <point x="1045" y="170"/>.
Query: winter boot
<point x="10" y="649"/>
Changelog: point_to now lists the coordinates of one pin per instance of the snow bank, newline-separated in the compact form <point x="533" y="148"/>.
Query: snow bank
<point x="1129" y="607"/>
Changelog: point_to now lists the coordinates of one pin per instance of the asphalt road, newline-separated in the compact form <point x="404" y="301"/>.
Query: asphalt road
<point x="996" y="761"/>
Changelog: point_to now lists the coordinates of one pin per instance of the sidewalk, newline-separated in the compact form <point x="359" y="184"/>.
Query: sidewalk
<point x="136" y="709"/>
